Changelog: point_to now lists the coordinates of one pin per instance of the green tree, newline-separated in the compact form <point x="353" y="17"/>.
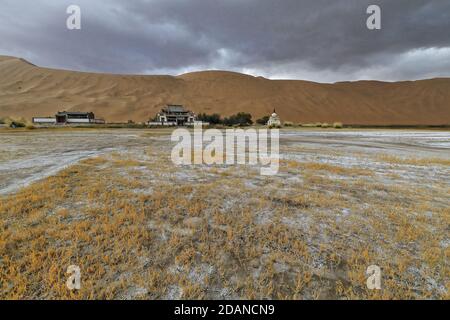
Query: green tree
<point x="263" y="121"/>
<point x="211" y="118"/>
<point x="241" y="119"/>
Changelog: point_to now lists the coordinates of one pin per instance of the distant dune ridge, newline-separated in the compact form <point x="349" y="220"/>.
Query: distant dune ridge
<point x="27" y="90"/>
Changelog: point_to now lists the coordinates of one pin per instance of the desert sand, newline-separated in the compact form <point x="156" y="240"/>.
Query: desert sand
<point x="27" y="90"/>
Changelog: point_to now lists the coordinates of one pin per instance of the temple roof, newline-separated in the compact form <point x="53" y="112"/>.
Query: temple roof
<point x="174" y="108"/>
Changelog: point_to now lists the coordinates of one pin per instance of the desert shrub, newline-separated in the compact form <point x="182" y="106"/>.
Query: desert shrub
<point x="263" y="121"/>
<point x="6" y="120"/>
<point x="338" y="125"/>
<point x="325" y="125"/>
<point x="288" y="124"/>
<point x="15" y="122"/>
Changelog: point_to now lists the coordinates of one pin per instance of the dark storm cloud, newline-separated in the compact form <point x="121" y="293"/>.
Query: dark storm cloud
<point x="305" y="39"/>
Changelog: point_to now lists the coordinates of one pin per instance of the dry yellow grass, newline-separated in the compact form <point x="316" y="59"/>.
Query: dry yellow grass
<point x="414" y="161"/>
<point x="140" y="227"/>
<point x="329" y="168"/>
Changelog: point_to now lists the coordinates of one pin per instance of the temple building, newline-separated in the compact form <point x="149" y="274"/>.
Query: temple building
<point x="174" y="115"/>
<point x="68" y="117"/>
<point x="274" y="120"/>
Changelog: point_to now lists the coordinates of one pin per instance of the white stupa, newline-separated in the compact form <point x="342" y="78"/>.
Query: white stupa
<point x="274" y="120"/>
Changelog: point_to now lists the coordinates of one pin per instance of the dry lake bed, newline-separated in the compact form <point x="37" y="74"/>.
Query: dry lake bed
<point x="140" y="227"/>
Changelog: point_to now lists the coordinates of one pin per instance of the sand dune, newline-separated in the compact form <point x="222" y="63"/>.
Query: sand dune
<point x="28" y="90"/>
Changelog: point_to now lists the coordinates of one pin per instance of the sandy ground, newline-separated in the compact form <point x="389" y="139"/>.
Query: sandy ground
<point x="141" y="227"/>
<point x="26" y="157"/>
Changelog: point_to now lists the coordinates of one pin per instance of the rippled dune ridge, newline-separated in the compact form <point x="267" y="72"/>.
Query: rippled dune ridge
<point x="29" y="91"/>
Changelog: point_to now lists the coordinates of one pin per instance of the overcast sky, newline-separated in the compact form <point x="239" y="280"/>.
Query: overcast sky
<point x="318" y="40"/>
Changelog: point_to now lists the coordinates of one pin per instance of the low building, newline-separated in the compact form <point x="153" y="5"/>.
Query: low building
<point x="68" y="117"/>
<point x="74" y="117"/>
<point x="274" y="120"/>
<point x="174" y="115"/>
<point x="44" y="120"/>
